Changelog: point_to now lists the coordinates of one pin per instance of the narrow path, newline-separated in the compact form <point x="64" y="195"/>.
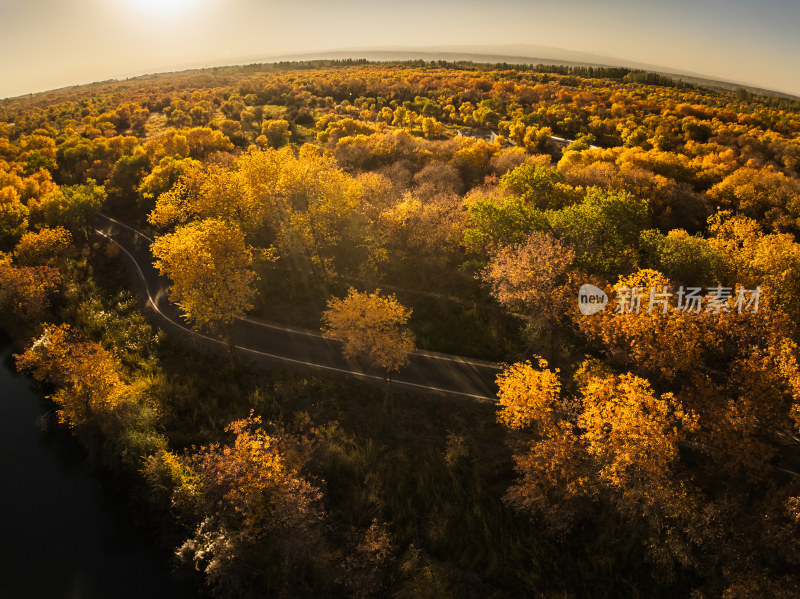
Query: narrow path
<point x="428" y="371"/>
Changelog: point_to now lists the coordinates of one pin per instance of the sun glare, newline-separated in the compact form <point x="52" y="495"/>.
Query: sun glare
<point x="165" y="7"/>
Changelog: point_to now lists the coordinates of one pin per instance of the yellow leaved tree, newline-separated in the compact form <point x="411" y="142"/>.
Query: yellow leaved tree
<point x="302" y="207"/>
<point x="25" y="290"/>
<point x="554" y="469"/>
<point x="256" y="508"/>
<point x="251" y="480"/>
<point x="211" y="267"/>
<point x="633" y="432"/>
<point x="47" y="247"/>
<point x="618" y="440"/>
<point x="372" y="328"/>
<point x="86" y="376"/>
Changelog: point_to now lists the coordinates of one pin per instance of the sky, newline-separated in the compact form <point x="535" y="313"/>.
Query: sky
<point x="47" y="44"/>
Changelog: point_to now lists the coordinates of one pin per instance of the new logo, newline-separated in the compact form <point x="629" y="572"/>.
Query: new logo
<point x="591" y="299"/>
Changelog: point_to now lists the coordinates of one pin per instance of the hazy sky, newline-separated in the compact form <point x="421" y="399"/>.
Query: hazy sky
<point x="45" y="44"/>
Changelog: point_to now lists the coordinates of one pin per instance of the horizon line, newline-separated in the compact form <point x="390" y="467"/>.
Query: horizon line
<point x="609" y="61"/>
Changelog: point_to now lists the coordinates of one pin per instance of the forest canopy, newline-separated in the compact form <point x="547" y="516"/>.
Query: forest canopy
<point x="458" y="208"/>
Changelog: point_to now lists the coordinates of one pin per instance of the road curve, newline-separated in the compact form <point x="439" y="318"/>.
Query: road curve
<point x="427" y="371"/>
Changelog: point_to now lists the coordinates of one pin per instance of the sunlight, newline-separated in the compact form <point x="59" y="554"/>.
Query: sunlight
<point x="165" y="7"/>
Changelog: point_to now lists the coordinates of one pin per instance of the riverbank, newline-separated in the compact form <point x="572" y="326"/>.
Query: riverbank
<point x="65" y="534"/>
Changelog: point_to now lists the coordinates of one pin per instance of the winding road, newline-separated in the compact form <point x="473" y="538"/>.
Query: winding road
<point x="427" y="371"/>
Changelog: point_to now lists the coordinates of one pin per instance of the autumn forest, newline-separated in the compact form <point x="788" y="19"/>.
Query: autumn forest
<point x="650" y="448"/>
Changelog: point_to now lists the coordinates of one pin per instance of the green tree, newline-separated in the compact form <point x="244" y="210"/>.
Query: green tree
<point x="684" y="258"/>
<point x="544" y="187"/>
<point x="123" y="184"/>
<point x="604" y="229"/>
<point x="497" y="222"/>
<point x="73" y="207"/>
<point x="38" y="161"/>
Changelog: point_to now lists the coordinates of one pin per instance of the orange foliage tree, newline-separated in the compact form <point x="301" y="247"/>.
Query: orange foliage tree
<point x="534" y="277"/>
<point x="25" y="290"/>
<point x="87" y="378"/>
<point x="255" y="509"/>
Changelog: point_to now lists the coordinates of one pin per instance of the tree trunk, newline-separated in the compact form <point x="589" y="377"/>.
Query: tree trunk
<point x="230" y="340"/>
<point x="553" y="346"/>
<point x="387" y="398"/>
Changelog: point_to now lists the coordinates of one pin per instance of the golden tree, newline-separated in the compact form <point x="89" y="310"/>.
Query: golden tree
<point x="46" y="247"/>
<point x="763" y="389"/>
<point x="769" y="261"/>
<point x="276" y="132"/>
<point x="431" y="128"/>
<point x="372" y="329"/>
<point x="620" y="438"/>
<point x="528" y="395"/>
<point x="763" y="193"/>
<point x="250" y="479"/>
<point x="86" y="376"/>
<point x="25" y="290"/>
<point x="304" y="207"/>
<point x="632" y="432"/>
<point x="13" y="217"/>
<point x="637" y="338"/>
<point x="210" y="265"/>
<point x="554" y="470"/>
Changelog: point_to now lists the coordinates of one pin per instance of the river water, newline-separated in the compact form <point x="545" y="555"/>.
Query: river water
<point x="58" y="537"/>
